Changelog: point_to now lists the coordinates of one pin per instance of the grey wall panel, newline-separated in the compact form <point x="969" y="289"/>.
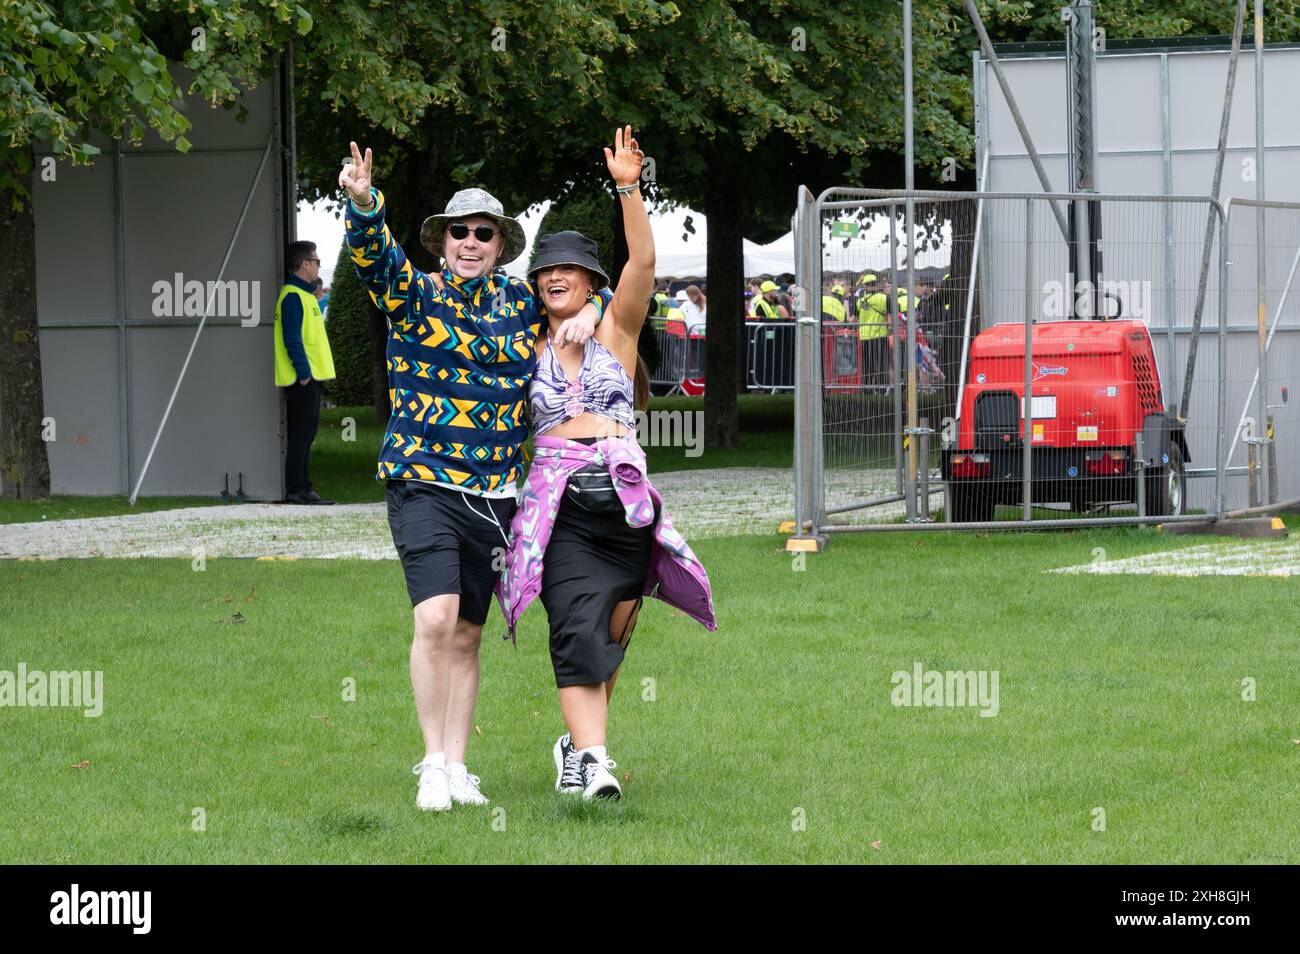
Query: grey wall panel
<point x="1043" y="111"/>
<point x="75" y="275"/>
<point x="218" y="128"/>
<point x="1128" y="103"/>
<point x="1007" y="173"/>
<point x="1196" y="87"/>
<point x="79" y="374"/>
<point x="226" y="418"/>
<point x="180" y="216"/>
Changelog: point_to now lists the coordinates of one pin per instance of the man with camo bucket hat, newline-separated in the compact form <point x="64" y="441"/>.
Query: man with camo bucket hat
<point x="461" y="351"/>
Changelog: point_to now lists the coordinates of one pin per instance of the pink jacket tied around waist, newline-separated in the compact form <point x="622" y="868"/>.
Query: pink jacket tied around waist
<point x="675" y="575"/>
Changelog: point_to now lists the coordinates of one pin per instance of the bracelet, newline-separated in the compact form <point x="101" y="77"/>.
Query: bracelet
<point x="370" y="208"/>
<point x="627" y="190"/>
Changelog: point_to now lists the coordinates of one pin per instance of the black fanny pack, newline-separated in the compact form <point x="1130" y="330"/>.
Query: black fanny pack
<point x="592" y="489"/>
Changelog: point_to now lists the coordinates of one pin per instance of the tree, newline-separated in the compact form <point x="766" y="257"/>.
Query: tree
<point x="357" y="333"/>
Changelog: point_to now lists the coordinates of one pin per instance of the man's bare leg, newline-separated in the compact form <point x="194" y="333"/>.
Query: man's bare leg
<point x="463" y="668"/>
<point x="431" y="669"/>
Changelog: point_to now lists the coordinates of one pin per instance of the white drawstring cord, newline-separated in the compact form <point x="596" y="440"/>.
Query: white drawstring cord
<point x="500" y="530"/>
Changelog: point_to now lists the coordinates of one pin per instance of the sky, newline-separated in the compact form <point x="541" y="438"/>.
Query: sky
<point x="869" y="251"/>
<point x="317" y="223"/>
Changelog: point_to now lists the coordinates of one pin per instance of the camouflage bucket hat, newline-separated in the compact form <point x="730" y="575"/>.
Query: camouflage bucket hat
<point x="466" y="203"/>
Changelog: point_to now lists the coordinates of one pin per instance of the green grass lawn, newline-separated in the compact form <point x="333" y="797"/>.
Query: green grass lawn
<point x="344" y="470"/>
<point x="1120" y="693"/>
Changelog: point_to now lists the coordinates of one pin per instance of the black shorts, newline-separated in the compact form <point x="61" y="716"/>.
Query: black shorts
<point x="445" y="546"/>
<point x="592" y="564"/>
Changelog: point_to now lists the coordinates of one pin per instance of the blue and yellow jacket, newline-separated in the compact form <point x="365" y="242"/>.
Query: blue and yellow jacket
<point x="459" y="363"/>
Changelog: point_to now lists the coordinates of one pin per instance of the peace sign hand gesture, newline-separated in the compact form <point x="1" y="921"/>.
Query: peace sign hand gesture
<point x="355" y="176"/>
<point x="626" y="159"/>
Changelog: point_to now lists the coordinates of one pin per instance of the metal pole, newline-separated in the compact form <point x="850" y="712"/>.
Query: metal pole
<point x="1027" y="439"/>
<point x="891" y="316"/>
<point x="123" y="365"/>
<point x="924" y="502"/>
<point x="1166" y="141"/>
<point x="1261" y="275"/>
<point x="1185" y="405"/>
<point x="1140" y="462"/>
<point x="910" y="225"/>
<point x="982" y="127"/>
<point x="1220" y="478"/>
<point x="212" y="290"/>
<point x="801" y="381"/>
<point x="987" y="45"/>
<point x="1080" y="99"/>
<point x="970" y="287"/>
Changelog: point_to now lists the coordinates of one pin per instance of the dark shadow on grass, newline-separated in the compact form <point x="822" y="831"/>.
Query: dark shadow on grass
<point x="342" y="822"/>
<point x="601" y="811"/>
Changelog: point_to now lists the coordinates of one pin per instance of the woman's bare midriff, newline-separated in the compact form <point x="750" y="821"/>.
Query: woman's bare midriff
<point x="587" y="424"/>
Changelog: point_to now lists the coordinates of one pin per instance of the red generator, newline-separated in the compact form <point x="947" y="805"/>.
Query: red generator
<point x="841" y="358"/>
<point x="1095" y="388"/>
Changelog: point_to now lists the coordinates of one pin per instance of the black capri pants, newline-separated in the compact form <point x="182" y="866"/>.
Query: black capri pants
<point x="593" y="563"/>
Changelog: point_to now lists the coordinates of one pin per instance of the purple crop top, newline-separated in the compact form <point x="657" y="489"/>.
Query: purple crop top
<point x="603" y="388"/>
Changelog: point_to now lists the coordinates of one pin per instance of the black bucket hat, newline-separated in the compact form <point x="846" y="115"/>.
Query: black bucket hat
<point x="569" y="248"/>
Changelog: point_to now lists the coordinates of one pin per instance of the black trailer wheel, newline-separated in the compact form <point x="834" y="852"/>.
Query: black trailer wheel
<point x="972" y="502"/>
<point x="1167" y="487"/>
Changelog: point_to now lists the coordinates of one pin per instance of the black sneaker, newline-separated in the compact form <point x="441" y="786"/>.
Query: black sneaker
<point x="313" y="498"/>
<point x="568" y="772"/>
<point x="597" y="782"/>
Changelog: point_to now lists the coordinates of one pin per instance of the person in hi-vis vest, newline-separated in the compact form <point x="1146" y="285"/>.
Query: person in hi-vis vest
<point x="302" y="362"/>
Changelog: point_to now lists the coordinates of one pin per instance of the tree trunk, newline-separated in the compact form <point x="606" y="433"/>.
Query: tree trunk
<point x="723" y="343"/>
<point x="24" y="461"/>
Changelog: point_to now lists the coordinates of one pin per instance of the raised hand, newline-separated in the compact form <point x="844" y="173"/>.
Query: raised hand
<point x="625" y="160"/>
<point x="355" y="176"/>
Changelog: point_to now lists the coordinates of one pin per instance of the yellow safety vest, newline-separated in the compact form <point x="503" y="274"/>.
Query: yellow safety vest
<point x="314" y="340"/>
<point x="872" y="323"/>
<point x="764" y="310"/>
<point x="833" y="308"/>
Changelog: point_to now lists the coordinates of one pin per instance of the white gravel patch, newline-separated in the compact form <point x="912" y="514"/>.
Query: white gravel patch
<point x="703" y="503"/>
<point x="1259" y="558"/>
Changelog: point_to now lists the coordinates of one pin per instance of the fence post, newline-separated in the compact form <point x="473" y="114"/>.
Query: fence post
<point x="1220" y="475"/>
<point x="808" y="438"/>
<point x="896" y="370"/>
<point x="1027" y="414"/>
<point x="1140" y="460"/>
<point x="924" y="435"/>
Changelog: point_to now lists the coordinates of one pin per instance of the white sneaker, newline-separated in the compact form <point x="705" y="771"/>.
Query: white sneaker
<point x="464" y="789"/>
<point x="434" y="795"/>
<point x="597" y="782"/>
<point x="568" y="769"/>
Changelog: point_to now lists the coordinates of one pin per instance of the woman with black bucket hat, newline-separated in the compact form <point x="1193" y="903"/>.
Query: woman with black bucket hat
<point x="591" y="535"/>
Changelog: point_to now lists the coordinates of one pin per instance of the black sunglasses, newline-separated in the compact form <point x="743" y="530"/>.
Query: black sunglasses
<point x="484" y="233"/>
